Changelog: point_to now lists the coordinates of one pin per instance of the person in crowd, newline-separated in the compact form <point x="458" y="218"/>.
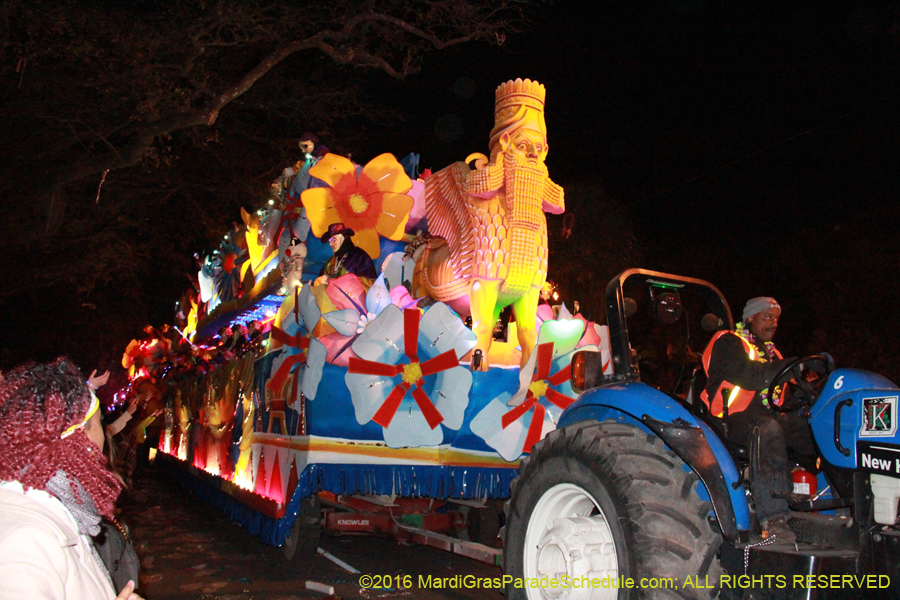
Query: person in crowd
<point x="135" y="402"/>
<point x="199" y="358"/>
<point x="54" y="486"/>
<point x="150" y="333"/>
<point x="740" y="366"/>
<point x="132" y="447"/>
<point x="253" y="334"/>
<point x="348" y="258"/>
<point x="173" y="338"/>
<point x="239" y="337"/>
<point x="225" y="337"/>
<point x="95" y="382"/>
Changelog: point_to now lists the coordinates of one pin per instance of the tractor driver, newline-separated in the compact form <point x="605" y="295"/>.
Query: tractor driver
<point x="740" y="365"/>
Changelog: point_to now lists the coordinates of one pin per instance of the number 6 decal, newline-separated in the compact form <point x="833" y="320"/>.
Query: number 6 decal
<point x="839" y="382"/>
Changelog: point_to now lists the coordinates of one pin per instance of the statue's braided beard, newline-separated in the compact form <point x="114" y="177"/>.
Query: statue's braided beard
<point x="526" y="187"/>
<point x="521" y="179"/>
<point x="527" y="226"/>
<point x="484" y="182"/>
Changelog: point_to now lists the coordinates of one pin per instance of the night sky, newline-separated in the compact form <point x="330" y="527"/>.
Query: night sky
<point x="747" y="142"/>
<point x="698" y="114"/>
<point x="753" y="144"/>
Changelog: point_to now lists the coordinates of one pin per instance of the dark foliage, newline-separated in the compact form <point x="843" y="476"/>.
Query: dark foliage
<point x="133" y="132"/>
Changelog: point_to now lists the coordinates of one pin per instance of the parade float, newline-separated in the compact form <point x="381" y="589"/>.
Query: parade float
<point x="386" y="403"/>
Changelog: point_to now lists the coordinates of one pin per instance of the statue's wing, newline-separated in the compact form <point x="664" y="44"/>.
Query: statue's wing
<point x="448" y="214"/>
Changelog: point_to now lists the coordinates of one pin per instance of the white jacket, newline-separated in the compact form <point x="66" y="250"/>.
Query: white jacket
<point x="42" y="556"/>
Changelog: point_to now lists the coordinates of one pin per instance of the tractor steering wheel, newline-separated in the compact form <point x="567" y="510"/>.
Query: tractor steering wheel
<point x="802" y="392"/>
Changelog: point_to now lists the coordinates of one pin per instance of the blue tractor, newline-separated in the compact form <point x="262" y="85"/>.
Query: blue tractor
<point x="637" y="494"/>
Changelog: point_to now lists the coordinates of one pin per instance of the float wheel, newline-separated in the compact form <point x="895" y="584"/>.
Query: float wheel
<point x="303" y="538"/>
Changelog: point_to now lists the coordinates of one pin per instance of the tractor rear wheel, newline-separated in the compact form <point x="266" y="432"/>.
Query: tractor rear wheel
<point x="608" y="502"/>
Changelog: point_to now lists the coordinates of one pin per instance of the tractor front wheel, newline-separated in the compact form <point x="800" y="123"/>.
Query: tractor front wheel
<point x="598" y="504"/>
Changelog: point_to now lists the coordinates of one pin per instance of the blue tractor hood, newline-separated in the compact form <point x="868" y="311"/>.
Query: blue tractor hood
<point x="855" y="407"/>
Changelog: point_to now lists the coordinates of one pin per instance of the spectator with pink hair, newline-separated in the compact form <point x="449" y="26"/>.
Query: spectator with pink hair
<point x="55" y="484"/>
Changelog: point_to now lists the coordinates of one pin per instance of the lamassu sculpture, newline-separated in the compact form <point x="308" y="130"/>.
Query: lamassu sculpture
<point x="489" y="244"/>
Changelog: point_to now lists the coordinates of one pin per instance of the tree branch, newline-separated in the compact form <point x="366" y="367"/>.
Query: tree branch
<point x="370" y="39"/>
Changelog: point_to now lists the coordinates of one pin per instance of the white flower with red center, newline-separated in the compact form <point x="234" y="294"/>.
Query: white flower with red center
<point x="512" y="423"/>
<point x="407" y="377"/>
<point x="300" y="352"/>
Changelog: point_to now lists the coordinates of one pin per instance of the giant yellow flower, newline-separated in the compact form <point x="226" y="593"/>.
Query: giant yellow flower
<point x="373" y="203"/>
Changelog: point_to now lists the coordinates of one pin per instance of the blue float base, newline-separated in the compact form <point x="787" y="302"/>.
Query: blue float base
<point x="439" y="482"/>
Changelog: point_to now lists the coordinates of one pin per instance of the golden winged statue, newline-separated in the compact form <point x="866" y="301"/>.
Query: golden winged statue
<point x="489" y="234"/>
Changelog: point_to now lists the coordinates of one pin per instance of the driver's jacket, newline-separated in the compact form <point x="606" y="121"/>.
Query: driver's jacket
<point x="738" y="398"/>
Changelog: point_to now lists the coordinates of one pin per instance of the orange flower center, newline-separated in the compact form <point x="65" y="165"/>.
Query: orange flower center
<point x="357" y="203"/>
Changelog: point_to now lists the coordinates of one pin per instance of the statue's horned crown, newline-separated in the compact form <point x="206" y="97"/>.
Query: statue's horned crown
<point x="513" y="94"/>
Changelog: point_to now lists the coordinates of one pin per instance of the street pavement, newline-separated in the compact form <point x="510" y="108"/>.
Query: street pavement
<point x="191" y="551"/>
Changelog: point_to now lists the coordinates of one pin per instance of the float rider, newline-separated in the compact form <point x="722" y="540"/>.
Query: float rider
<point x="348" y="258"/>
<point x="312" y="151"/>
<point x="740" y="366"/>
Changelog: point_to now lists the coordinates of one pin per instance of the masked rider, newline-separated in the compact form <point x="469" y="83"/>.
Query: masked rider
<point x="348" y="258"/>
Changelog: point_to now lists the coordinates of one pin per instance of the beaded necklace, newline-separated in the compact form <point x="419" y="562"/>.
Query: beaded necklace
<point x="767" y="355"/>
<point x="769" y="347"/>
<point x="335" y="270"/>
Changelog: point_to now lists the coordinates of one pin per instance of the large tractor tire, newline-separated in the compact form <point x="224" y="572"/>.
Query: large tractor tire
<point x="303" y="538"/>
<point x="608" y="501"/>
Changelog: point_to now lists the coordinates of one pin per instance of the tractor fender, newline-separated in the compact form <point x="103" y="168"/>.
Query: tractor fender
<point x="691" y="439"/>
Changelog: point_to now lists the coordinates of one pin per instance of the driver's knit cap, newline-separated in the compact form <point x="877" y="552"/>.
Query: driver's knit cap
<point x="757" y="305"/>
